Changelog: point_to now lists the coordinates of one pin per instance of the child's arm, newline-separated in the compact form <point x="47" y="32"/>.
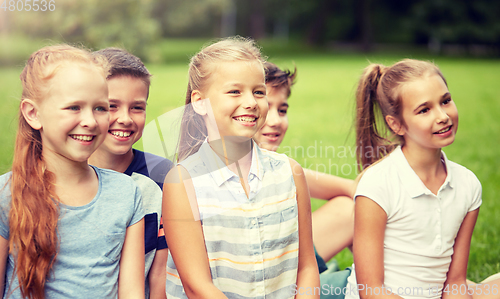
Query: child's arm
<point x="4" y="253"/>
<point x="368" y="247"/>
<point x="327" y="186"/>
<point x="308" y="274"/>
<point x="455" y="285"/>
<point x="184" y="235"/>
<point x="158" y="275"/>
<point x="131" y="277"/>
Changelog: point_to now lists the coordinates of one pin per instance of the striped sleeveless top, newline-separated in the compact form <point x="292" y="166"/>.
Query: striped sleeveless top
<point x="252" y="242"/>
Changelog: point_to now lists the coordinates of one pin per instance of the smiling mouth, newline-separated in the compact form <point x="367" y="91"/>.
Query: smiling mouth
<point x="120" y="133"/>
<point x="443" y="130"/>
<point x="272" y="135"/>
<point x="82" y="137"/>
<point x="248" y="119"/>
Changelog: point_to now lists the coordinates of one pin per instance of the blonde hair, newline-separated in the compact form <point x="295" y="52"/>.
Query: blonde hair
<point x="379" y="95"/>
<point x="34" y="210"/>
<point x="201" y="66"/>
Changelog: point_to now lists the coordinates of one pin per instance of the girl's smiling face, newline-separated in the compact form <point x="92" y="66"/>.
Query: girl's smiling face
<point x="429" y="113"/>
<point x="73" y="118"/>
<point x="236" y="91"/>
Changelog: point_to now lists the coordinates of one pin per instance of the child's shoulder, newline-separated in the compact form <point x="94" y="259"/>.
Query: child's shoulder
<point x="5" y="185"/>
<point x="272" y="156"/>
<point x="5" y="179"/>
<point x="462" y="174"/>
<point x="152" y="159"/>
<point x="108" y="178"/>
<point x="382" y="169"/>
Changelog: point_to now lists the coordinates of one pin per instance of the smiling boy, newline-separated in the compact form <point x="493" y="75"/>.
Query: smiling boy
<point x="128" y="84"/>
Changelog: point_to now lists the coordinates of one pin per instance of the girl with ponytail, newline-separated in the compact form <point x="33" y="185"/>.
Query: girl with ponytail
<point x="62" y="233"/>
<point x="237" y="218"/>
<point x="415" y="210"/>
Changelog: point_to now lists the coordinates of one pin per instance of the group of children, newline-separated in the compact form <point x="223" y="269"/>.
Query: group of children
<point x="84" y="215"/>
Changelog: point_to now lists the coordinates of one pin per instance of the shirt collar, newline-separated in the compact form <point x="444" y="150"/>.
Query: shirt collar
<point x="410" y="180"/>
<point x="218" y="169"/>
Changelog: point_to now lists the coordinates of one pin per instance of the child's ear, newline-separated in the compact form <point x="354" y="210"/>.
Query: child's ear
<point x="198" y="103"/>
<point x="29" y="109"/>
<point x="395" y="125"/>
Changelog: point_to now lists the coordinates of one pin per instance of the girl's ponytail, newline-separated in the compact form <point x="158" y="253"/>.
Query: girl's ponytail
<point x="33" y="214"/>
<point x="371" y="145"/>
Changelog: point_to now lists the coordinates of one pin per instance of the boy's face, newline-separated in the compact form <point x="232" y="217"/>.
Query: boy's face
<point x="272" y="133"/>
<point x="127" y="113"/>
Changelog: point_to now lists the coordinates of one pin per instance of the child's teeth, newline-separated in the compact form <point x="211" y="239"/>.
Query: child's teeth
<point x="82" y="137"/>
<point x="443" y="130"/>
<point x="249" y="119"/>
<point x="121" y="134"/>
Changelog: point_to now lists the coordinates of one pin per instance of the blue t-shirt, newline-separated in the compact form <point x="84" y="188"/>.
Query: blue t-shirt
<point x="91" y="238"/>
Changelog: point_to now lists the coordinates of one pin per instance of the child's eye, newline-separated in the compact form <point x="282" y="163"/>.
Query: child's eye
<point x="446" y="101"/>
<point x="260" y="92"/>
<point x="423" y="111"/>
<point x="234" y="91"/>
<point x="138" y="108"/>
<point x="112" y="106"/>
<point x="101" y="108"/>
<point x="282" y="111"/>
<point x="73" y="108"/>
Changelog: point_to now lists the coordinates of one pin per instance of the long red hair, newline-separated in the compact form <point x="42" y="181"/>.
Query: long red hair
<point x="34" y="211"/>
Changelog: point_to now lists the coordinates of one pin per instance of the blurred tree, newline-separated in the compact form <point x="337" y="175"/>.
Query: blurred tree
<point x="257" y="20"/>
<point x="463" y="22"/>
<point x="94" y="23"/>
<point x="191" y="17"/>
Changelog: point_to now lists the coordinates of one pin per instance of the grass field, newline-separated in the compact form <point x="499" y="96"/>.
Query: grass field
<point x="321" y="115"/>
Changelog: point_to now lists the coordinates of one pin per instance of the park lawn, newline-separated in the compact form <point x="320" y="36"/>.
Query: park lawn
<point x="321" y="136"/>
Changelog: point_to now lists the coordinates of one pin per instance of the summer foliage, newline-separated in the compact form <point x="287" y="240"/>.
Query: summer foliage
<point x="321" y="113"/>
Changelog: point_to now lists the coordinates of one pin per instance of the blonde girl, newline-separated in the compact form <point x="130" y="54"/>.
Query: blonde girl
<point x="63" y="233"/>
<point x="415" y="210"/>
<point x="237" y="218"/>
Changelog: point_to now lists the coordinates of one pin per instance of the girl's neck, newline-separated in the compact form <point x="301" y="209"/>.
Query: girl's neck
<point x="233" y="149"/>
<point x="76" y="183"/>
<point x="427" y="165"/>
<point x="105" y="159"/>
<point x="236" y="152"/>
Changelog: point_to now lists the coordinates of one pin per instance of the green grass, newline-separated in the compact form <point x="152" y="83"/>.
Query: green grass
<point x="321" y="115"/>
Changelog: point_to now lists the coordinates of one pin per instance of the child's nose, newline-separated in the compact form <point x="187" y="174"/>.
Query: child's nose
<point x="249" y="101"/>
<point x="442" y="116"/>
<point x="124" y="118"/>
<point x="273" y="119"/>
<point x="88" y="119"/>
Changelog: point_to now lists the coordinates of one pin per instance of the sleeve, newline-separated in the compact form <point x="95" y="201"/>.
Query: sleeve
<point x="5" y="198"/>
<point x="476" y="194"/>
<point x="374" y="185"/>
<point x="138" y="212"/>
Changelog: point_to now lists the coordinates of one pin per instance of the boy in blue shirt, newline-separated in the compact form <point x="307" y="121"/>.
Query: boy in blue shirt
<point x="128" y="85"/>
